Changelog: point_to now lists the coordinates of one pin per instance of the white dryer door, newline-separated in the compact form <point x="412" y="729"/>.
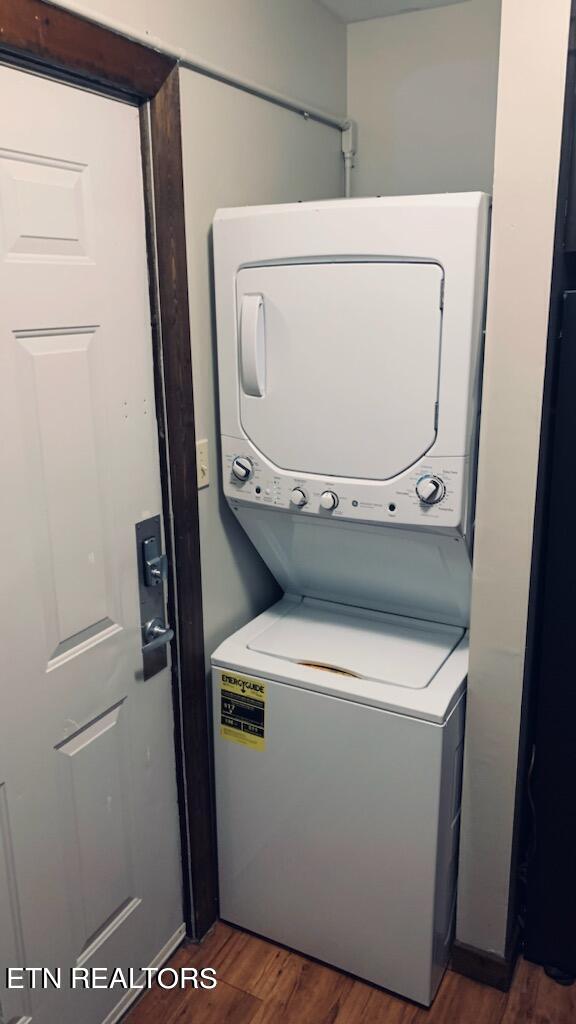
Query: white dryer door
<point x="339" y="365"/>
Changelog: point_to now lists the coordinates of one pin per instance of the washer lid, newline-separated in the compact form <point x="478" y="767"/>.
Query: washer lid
<point x="339" y="364"/>
<point x="390" y="649"/>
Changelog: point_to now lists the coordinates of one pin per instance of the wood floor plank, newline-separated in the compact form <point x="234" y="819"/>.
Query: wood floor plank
<point x="534" y="997"/>
<point x="365" y="1004"/>
<point x="300" y="991"/>
<point x="221" y="1005"/>
<point x="247" y="962"/>
<point x="462" y="1001"/>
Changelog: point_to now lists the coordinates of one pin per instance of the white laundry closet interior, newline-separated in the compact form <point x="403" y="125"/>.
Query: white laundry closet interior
<point x="370" y="195"/>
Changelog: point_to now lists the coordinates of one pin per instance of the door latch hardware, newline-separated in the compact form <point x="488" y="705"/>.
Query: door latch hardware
<point x="156" y="634"/>
<point x="155" y="563"/>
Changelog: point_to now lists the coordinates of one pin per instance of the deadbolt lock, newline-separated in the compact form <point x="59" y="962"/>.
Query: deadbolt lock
<point x="155" y="563"/>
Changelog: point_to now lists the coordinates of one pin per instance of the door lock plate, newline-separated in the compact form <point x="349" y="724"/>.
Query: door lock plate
<point x="152" y="571"/>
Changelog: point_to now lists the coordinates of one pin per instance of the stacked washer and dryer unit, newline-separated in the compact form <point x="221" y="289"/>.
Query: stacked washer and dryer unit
<point x="349" y="350"/>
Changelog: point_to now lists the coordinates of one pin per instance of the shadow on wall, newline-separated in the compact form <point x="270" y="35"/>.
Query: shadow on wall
<point x="242" y="550"/>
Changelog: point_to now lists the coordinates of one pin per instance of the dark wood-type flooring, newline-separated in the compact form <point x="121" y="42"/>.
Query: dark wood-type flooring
<point x="260" y="983"/>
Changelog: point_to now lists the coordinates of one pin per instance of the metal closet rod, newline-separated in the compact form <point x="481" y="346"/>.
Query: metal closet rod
<point x="310" y="113"/>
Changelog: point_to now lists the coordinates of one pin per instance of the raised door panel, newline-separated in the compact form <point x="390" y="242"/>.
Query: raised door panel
<point x="63" y="416"/>
<point x="43" y="206"/>
<point x="62" y="413"/>
<point x="95" y="808"/>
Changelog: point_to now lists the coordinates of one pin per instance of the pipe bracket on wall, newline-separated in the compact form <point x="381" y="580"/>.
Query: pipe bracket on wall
<point x="349" y="148"/>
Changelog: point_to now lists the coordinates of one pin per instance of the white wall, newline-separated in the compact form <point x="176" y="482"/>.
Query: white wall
<point x="422" y="87"/>
<point x="291" y="46"/>
<point x="530" y="103"/>
<point x="251" y="152"/>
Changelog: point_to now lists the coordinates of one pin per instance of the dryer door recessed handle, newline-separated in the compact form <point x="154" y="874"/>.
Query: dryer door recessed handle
<point x="253" y="345"/>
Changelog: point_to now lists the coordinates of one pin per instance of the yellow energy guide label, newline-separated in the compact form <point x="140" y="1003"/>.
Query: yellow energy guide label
<point x="243" y="710"/>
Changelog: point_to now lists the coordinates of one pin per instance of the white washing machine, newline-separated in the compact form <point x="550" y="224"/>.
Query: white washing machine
<point x="349" y="347"/>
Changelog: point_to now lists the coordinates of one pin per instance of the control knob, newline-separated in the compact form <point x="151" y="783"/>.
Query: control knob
<point x="242" y="468"/>
<point x="329" y="501"/>
<point x="298" y="497"/>
<point x="430" y="489"/>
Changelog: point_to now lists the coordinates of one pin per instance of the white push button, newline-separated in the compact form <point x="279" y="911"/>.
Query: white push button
<point x="329" y="501"/>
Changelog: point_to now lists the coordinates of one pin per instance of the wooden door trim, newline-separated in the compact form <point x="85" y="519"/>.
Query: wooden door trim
<point x="192" y="716"/>
<point x="65" y="41"/>
<point x="64" y="45"/>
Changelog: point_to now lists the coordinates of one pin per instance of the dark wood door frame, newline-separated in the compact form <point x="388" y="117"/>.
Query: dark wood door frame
<point x="50" y="40"/>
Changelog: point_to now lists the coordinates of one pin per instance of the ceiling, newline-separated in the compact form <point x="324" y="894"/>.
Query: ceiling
<point x="363" y="10"/>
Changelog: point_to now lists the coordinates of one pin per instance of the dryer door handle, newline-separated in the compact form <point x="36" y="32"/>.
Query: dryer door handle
<point x="253" y="345"/>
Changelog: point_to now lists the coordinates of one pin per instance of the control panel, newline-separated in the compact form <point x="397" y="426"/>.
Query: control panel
<point x="430" y="493"/>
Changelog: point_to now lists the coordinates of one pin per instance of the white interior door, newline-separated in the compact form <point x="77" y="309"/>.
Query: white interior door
<point x="89" y="835"/>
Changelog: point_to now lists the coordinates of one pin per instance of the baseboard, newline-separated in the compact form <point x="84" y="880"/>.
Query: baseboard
<point x="132" y="995"/>
<point x="481" y="965"/>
